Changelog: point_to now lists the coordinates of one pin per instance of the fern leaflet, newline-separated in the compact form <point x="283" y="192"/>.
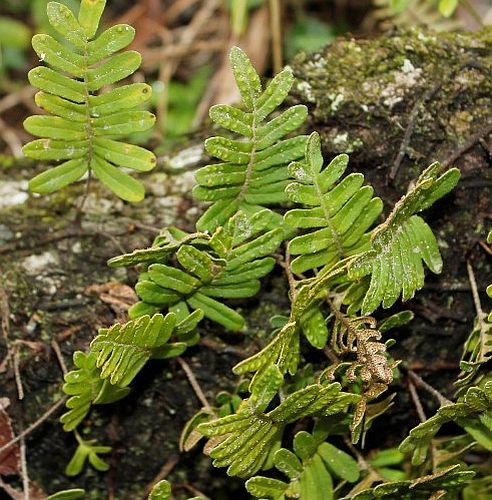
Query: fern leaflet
<point x="254" y="171"/>
<point x="309" y="469"/>
<point x="86" y="387"/>
<point x="226" y="265"/>
<point x="123" y="350"/>
<point x="243" y="441"/>
<point x="86" y="128"/>
<point x="338" y="216"/>
<point x="402" y="242"/>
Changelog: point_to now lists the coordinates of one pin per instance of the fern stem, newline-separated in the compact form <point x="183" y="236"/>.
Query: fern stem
<point x="480" y="314"/>
<point x="329" y="223"/>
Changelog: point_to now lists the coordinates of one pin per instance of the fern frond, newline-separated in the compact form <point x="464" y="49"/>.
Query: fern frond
<point x="123" y="350"/>
<point x="85" y="126"/>
<point x="452" y="478"/>
<point x="473" y="413"/>
<point x="309" y="469"/>
<point x="254" y="169"/>
<point x="339" y="215"/>
<point x="87" y="450"/>
<point x="86" y="387"/>
<point x="227" y="265"/>
<point x="243" y="441"/>
<point x="402" y="242"/>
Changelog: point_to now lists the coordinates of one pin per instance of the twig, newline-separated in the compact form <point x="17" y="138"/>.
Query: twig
<point x="194" y="384"/>
<point x="17" y="375"/>
<point x="363" y="464"/>
<point x="162" y="474"/>
<point x="416" y="401"/>
<point x="14" y="98"/>
<point x="478" y="308"/>
<point x="24" y="474"/>
<point x="409" y="128"/>
<point x="420" y="382"/>
<point x="56" y="348"/>
<point x="35" y="424"/>
<point x="484" y="132"/>
<point x="276" y="28"/>
<point x="10" y="137"/>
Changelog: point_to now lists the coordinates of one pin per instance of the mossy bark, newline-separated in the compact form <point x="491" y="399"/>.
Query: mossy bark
<point x="416" y="95"/>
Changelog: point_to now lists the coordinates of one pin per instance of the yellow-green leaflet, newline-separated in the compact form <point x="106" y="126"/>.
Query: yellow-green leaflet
<point x="82" y="116"/>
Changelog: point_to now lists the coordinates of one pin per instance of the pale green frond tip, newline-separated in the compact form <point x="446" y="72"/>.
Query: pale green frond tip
<point x="90" y="14"/>
<point x="79" y="121"/>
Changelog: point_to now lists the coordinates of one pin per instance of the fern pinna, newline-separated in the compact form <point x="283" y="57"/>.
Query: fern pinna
<point x="209" y="268"/>
<point x="87" y="125"/>
<point x="117" y="355"/>
<point x="254" y="169"/>
<point x="396" y="246"/>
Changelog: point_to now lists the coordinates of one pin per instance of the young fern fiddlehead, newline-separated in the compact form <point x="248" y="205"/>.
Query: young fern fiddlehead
<point x="85" y="128"/>
<point x="254" y="171"/>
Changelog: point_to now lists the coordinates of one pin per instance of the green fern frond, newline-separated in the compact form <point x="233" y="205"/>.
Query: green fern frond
<point x="402" y="242"/>
<point x="452" y="478"/>
<point x="310" y="470"/>
<point x="473" y="413"/>
<point x="243" y="441"/>
<point x="227" y="265"/>
<point x="87" y="450"/>
<point x="339" y="215"/>
<point x="86" y="387"/>
<point x="86" y="127"/>
<point x="254" y="169"/>
<point x="123" y="350"/>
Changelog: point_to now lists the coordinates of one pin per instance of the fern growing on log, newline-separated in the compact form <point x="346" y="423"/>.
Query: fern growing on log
<point x="117" y="355"/>
<point x="254" y="171"/>
<point x="353" y="265"/>
<point x="226" y="265"/>
<point x="392" y="258"/>
<point x="85" y="126"/>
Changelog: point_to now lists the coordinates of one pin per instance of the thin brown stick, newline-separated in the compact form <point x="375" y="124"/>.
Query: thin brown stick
<point x="24" y="473"/>
<point x="14" y="98"/>
<point x="17" y="375"/>
<point x="276" y="29"/>
<point x="416" y="401"/>
<point x="56" y="349"/>
<point x="409" y="128"/>
<point x="484" y="132"/>
<point x="194" y="384"/>
<point x="478" y="308"/>
<point x="420" y="382"/>
<point x="35" y="424"/>
<point x="162" y="474"/>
